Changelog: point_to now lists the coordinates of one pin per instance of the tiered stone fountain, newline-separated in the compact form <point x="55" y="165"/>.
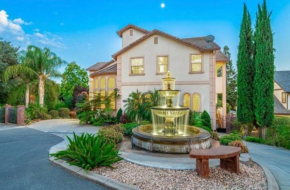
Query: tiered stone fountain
<point x="170" y="132"/>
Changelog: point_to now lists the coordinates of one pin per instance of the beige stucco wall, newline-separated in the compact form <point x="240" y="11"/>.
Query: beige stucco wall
<point x="178" y="56"/>
<point x="202" y="90"/>
<point x="127" y="39"/>
<point x="179" y="59"/>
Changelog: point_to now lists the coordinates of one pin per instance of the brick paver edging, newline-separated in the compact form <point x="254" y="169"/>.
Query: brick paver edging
<point x="102" y="180"/>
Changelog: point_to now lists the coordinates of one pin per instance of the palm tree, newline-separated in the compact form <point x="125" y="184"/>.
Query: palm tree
<point x="38" y="65"/>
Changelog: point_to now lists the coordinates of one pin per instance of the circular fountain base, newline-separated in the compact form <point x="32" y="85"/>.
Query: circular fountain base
<point x="194" y="138"/>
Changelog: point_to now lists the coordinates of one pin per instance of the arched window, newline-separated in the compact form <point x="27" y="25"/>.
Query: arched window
<point x="103" y="90"/>
<point x="111" y="87"/>
<point x="96" y="83"/>
<point x="103" y="83"/>
<point x="186" y="100"/>
<point x="196" y="102"/>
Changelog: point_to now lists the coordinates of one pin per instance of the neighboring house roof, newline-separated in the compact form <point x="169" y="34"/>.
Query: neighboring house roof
<point x="279" y="108"/>
<point x="192" y="42"/>
<point x="109" y="70"/>
<point x="221" y="57"/>
<point x="120" y="32"/>
<point x="99" y="66"/>
<point x="282" y="78"/>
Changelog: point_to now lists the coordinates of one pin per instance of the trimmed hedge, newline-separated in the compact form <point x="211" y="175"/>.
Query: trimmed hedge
<point x="254" y="139"/>
<point x="64" y="112"/>
<point x="54" y="114"/>
<point x="227" y="139"/>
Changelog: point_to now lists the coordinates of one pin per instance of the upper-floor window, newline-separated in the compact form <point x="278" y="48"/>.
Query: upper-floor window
<point x="195" y="63"/>
<point x="131" y="33"/>
<point x="137" y="66"/>
<point x="162" y="64"/>
<point x="283" y="97"/>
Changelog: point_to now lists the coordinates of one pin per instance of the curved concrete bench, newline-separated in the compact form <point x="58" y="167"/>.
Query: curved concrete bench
<point x="228" y="155"/>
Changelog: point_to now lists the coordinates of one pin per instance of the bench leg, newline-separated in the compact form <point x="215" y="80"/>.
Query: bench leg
<point x="202" y="167"/>
<point x="230" y="164"/>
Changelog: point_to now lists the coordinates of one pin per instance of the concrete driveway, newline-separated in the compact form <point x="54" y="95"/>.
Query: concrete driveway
<point x="24" y="160"/>
<point x="277" y="160"/>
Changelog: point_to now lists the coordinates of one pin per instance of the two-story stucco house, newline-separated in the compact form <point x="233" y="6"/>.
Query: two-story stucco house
<point x="146" y="56"/>
<point x="282" y="93"/>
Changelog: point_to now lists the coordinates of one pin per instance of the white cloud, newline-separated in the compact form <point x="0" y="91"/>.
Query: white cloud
<point x="20" y="21"/>
<point x="37" y="34"/>
<point x="20" y="38"/>
<point x="11" y="30"/>
<point x="8" y="25"/>
<point x="49" y="39"/>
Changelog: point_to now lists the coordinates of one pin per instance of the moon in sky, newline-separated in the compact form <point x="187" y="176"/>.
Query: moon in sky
<point x="162" y="5"/>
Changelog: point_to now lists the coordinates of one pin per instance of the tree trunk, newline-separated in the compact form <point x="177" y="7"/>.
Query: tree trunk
<point x="27" y="96"/>
<point x="263" y="132"/>
<point x="41" y="90"/>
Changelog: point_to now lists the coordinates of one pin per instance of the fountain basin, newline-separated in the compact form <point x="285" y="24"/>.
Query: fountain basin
<point x="194" y="138"/>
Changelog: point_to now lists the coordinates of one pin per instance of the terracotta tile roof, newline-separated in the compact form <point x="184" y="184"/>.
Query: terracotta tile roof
<point x="282" y="78"/>
<point x="192" y="43"/>
<point x="200" y="42"/>
<point x="99" y="66"/>
<point x="279" y="108"/>
<point x="120" y="32"/>
<point x="109" y="70"/>
<point x="221" y="57"/>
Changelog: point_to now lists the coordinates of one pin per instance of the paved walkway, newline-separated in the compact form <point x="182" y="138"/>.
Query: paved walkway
<point x="277" y="160"/>
<point x="24" y="162"/>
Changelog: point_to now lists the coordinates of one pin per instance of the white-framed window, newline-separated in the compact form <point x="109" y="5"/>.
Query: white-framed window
<point x="162" y="64"/>
<point x="195" y="63"/>
<point x="137" y="66"/>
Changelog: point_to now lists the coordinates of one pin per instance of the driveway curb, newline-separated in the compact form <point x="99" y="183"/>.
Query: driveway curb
<point x="271" y="180"/>
<point x="102" y="180"/>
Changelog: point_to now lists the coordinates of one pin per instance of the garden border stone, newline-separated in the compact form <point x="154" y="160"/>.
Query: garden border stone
<point x="102" y="180"/>
<point x="271" y="180"/>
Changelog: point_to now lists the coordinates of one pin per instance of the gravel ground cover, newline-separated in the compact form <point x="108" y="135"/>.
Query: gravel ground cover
<point x="251" y="177"/>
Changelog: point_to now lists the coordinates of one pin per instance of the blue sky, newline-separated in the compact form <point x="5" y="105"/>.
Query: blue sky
<point x="85" y="31"/>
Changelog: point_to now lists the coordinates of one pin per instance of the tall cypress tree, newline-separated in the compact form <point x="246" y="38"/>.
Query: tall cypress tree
<point x="231" y="80"/>
<point x="264" y="69"/>
<point x="246" y="71"/>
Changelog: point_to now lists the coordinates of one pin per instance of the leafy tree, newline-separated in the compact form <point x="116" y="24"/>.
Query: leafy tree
<point x="246" y="71"/>
<point x="8" y="57"/>
<point x="38" y="65"/>
<point x="264" y="68"/>
<point x="232" y="94"/>
<point x="78" y="90"/>
<point x="73" y="76"/>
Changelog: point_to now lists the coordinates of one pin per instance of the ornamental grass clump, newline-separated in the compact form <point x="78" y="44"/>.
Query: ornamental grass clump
<point x="89" y="151"/>
<point x="244" y="148"/>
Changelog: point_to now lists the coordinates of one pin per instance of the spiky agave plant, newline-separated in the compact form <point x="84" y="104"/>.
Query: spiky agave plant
<point x="89" y="151"/>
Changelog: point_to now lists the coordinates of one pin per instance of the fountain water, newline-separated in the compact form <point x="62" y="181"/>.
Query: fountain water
<point x="169" y="131"/>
